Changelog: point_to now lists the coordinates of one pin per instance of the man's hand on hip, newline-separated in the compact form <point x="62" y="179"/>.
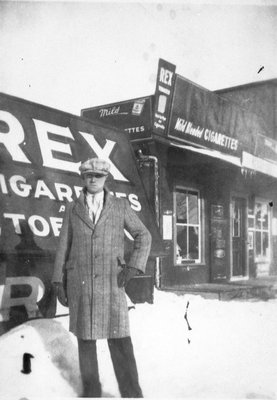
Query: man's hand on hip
<point x="125" y="275"/>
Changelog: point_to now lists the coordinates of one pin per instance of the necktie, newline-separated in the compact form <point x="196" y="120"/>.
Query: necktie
<point x="95" y="205"/>
<point x="91" y="207"/>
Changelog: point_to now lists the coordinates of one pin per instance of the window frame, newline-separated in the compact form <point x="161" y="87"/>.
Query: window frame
<point x="263" y="259"/>
<point x="200" y="225"/>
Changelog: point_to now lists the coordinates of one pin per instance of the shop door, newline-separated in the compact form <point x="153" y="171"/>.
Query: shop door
<point x="238" y="224"/>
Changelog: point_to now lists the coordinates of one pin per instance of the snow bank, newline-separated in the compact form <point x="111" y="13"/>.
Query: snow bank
<point x="230" y="352"/>
<point x="51" y="368"/>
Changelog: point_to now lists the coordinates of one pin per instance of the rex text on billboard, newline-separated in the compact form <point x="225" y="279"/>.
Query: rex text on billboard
<point x="163" y="96"/>
<point x="40" y="153"/>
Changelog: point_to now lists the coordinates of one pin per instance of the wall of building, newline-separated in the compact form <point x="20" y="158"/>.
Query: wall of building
<point x="218" y="182"/>
<point x="260" y="99"/>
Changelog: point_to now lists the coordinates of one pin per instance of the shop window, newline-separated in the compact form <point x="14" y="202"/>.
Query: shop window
<point x="188" y="229"/>
<point x="262" y="231"/>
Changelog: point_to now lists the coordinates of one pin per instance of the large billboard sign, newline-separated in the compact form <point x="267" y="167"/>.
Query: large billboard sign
<point x="133" y="116"/>
<point x="40" y="153"/>
<point x="201" y="117"/>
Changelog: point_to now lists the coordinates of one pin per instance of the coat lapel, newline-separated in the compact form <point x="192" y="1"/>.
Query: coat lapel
<point x="81" y="210"/>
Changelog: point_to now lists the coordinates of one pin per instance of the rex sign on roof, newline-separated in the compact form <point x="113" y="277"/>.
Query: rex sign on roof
<point x="163" y="96"/>
<point x="40" y="152"/>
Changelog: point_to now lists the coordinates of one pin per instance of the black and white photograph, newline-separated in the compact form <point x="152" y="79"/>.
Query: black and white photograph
<point x="138" y="199"/>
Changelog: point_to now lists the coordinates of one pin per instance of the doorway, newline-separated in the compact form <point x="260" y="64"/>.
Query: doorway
<point x="239" y="267"/>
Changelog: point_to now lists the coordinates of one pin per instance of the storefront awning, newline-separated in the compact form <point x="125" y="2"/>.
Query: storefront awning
<point x="211" y="153"/>
<point x="248" y="160"/>
<point x="258" y="164"/>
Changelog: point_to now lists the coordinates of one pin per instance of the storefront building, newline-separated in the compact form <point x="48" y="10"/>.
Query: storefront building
<point x="209" y="167"/>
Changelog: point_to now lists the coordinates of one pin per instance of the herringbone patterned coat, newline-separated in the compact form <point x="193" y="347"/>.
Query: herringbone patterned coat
<point x="91" y="254"/>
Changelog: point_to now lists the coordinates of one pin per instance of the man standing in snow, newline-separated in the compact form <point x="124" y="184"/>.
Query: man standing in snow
<point x="91" y="253"/>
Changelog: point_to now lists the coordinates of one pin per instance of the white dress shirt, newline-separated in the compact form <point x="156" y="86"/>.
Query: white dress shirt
<point x="95" y="204"/>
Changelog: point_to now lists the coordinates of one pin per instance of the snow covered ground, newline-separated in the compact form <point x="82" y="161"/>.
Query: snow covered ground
<point x="231" y="352"/>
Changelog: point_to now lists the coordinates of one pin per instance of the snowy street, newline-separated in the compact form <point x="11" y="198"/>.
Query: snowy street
<point x="230" y="352"/>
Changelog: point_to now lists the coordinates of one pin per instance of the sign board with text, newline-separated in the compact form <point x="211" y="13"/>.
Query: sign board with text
<point x="133" y="116"/>
<point x="201" y="117"/>
<point x="163" y="96"/>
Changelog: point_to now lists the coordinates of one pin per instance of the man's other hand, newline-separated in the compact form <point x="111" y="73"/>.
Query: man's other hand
<point x="60" y="293"/>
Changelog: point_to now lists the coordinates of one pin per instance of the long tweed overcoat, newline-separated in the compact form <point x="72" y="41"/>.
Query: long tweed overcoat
<point x="91" y="255"/>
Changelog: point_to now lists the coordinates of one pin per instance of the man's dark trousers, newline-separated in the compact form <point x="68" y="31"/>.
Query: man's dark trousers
<point x="124" y="363"/>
